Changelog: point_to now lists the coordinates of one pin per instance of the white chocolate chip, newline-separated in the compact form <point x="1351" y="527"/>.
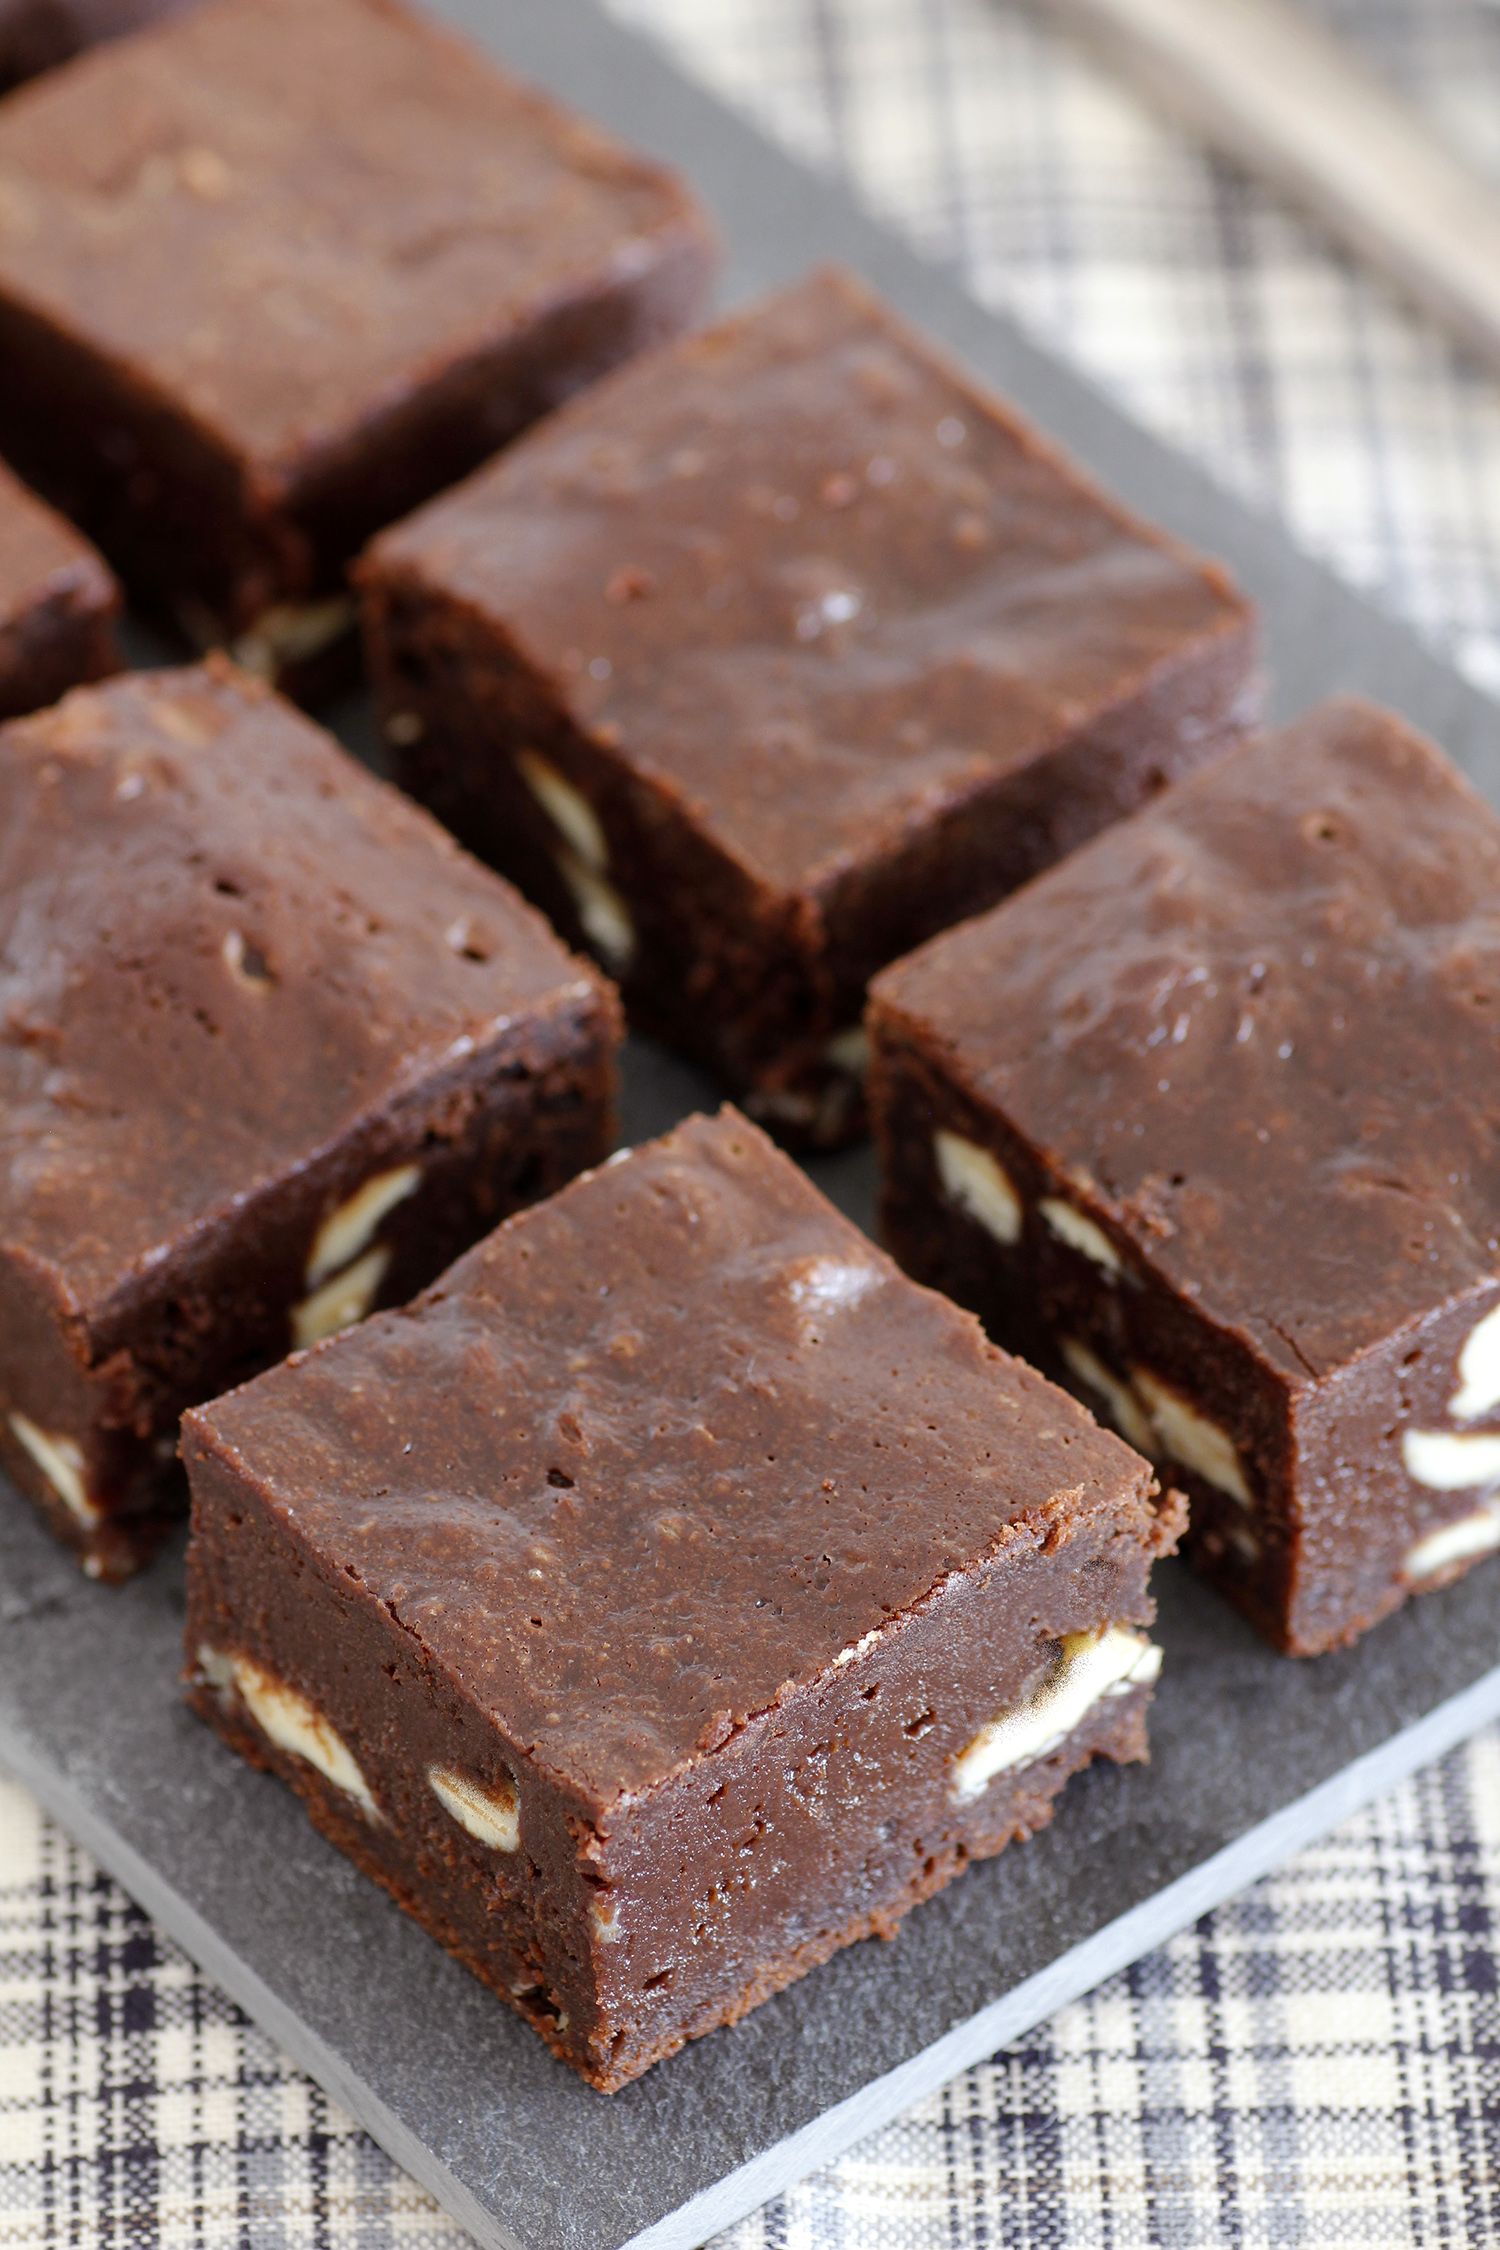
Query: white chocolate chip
<point x="404" y="728"/>
<point x="601" y="910"/>
<point x="856" y="1649"/>
<point x="1125" y="1409"/>
<point x="850" y="1051"/>
<point x="1070" y="1225"/>
<point x="61" y="1462"/>
<point x="567" y="808"/>
<point x="1478" y="1371"/>
<point x="1448" y="1462"/>
<point x="491" y="1816"/>
<point x="1191" y="1438"/>
<point x="349" y="1230"/>
<point x="1089" y="1667"/>
<point x="1478" y="1534"/>
<point x="287" y="1718"/>
<point x="340" y="1302"/>
<point x="292" y="633"/>
<point x="608" y="1928"/>
<point x="217" y="1669"/>
<point x="780" y="1105"/>
<point x="979" y="1184"/>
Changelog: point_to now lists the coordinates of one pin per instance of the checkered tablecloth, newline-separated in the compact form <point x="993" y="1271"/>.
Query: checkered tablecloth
<point x="1320" y="2061"/>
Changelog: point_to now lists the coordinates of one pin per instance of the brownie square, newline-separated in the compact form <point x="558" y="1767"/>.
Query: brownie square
<point x="58" y="604"/>
<point x="35" y="35"/>
<point x="672" y="1595"/>
<point x="276" y="271"/>
<point x="778" y="653"/>
<point x="272" y="1050"/>
<point x="1206" y="1120"/>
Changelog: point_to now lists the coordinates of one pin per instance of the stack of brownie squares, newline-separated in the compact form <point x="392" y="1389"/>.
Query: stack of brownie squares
<point x="558" y="1515"/>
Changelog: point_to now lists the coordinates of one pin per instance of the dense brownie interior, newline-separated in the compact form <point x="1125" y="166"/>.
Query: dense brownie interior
<point x="670" y="1596"/>
<point x="777" y="653"/>
<point x="271" y="274"/>
<point x="272" y="1050"/>
<point x="58" y="603"/>
<point x="1205" y="1120"/>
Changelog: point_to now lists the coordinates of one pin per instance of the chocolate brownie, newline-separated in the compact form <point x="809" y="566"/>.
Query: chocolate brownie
<point x="35" y="35"/>
<point x="672" y="1595"/>
<point x="58" y="604"/>
<point x="775" y="655"/>
<point x="1206" y="1120"/>
<point x="276" y="271"/>
<point x="272" y="1050"/>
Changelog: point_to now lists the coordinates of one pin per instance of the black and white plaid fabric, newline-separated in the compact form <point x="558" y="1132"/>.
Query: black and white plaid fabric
<point x="1319" y="2062"/>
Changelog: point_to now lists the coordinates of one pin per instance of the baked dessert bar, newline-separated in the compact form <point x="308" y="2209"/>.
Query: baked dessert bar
<point x="274" y="272"/>
<point x="272" y="1051"/>
<point x="776" y="654"/>
<point x="672" y="1595"/>
<point x="1205" y="1120"/>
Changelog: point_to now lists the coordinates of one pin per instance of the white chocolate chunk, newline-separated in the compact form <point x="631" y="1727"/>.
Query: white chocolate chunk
<point x="1478" y="1534"/>
<point x="608" y="1927"/>
<point x="1070" y="1225"/>
<point x="856" y="1649"/>
<point x="602" y="911"/>
<point x="1090" y="1667"/>
<point x="979" y="1184"/>
<point x="217" y="1669"/>
<point x="340" y="1302"/>
<point x="850" y="1050"/>
<point x="404" y="728"/>
<point x="1446" y="1461"/>
<point x="491" y="1816"/>
<point x="61" y="1462"/>
<point x="1478" y="1371"/>
<point x="291" y="633"/>
<point x="1191" y="1438"/>
<point x="1125" y="1409"/>
<point x="287" y="1718"/>
<point x="567" y="808"/>
<point x="779" y="1105"/>
<point x="349" y="1230"/>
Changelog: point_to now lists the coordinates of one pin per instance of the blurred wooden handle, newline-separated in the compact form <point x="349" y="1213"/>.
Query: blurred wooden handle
<point x="1272" y="89"/>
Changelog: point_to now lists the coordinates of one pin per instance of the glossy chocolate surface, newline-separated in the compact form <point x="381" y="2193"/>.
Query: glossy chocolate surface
<point x="805" y="576"/>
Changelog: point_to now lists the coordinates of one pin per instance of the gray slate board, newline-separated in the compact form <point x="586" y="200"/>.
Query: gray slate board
<point x="1253" y="1754"/>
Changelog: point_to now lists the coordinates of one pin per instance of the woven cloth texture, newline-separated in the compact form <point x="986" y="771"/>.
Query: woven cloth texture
<point x="1318" y="2062"/>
